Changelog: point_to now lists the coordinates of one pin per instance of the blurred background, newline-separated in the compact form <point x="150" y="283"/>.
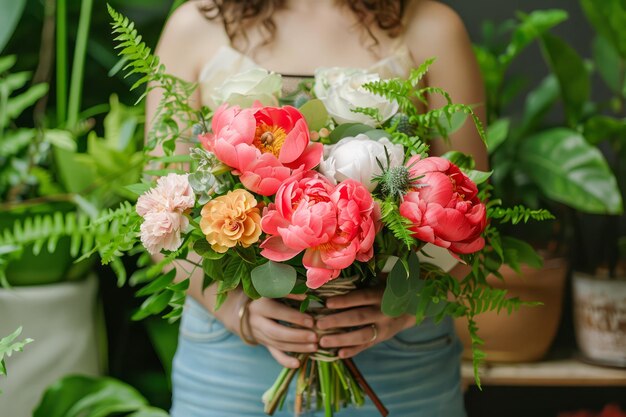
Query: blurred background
<point x="70" y="143"/>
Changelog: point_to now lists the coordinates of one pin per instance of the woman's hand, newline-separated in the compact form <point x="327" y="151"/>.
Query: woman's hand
<point x="362" y="308"/>
<point x="278" y="338"/>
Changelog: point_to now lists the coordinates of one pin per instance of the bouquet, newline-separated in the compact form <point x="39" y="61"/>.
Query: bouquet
<point x="319" y="193"/>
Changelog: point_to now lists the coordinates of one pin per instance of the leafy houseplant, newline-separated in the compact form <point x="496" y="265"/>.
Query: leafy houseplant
<point x="599" y="259"/>
<point x="54" y="177"/>
<point x="539" y="164"/>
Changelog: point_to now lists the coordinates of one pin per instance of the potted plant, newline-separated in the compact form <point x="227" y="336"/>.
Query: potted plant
<point x="54" y="177"/>
<point x="599" y="261"/>
<point x="539" y="164"/>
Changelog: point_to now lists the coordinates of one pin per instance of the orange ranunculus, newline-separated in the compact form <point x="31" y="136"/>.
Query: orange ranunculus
<point x="231" y="219"/>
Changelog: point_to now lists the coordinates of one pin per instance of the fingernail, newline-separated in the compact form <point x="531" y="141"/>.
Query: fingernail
<point x="312" y="337"/>
<point x="323" y="342"/>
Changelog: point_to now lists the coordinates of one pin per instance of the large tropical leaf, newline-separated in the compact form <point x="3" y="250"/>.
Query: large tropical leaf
<point x="11" y="12"/>
<point x="570" y="71"/>
<point x="571" y="171"/>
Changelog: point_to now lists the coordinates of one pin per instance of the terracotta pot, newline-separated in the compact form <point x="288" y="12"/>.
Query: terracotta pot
<point x="525" y="335"/>
<point x="600" y="319"/>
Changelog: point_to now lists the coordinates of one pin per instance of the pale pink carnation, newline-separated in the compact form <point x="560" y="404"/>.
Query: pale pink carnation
<point x="172" y="193"/>
<point x="162" y="208"/>
<point x="162" y="230"/>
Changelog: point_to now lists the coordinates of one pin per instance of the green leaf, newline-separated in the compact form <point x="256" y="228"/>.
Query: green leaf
<point x="402" y="287"/>
<point x="11" y="13"/>
<point x="83" y="396"/>
<point x="62" y="139"/>
<point x="76" y="173"/>
<point x="608" y="62"/>
<point x="213" y="268"/>
<point x="348" y="129"/>
<point x="150" y="412"/>
<point x="8" y="346"/>
<point x="609" y="19"/>
<point x="478" y="177"/>
<point x="315" y="114"/>
<point x="497" y="133"/>
<point x="570" y="71"/>
<point x="600" y="128"/>
<point x="203" y="248"/>
<point x="569" y="170"/>
<point x="139" y="188"/>
<point x="274" y="279"/>
<point x="531" y="27"/>
<point x="234" y="273"/>
<point x="7" y="62"/>
<point x="18" y="104"/>
<point x="524" y="253"/>
<point x="158" y="284"/>
<point x="539" y="102"/>
<point x="153" y="305"/>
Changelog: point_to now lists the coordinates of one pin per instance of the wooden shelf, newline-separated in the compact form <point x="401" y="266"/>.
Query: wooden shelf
<point x="563" y="371"/>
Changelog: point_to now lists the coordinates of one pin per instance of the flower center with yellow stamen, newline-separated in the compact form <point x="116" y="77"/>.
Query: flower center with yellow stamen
<point x="269" y="139"/>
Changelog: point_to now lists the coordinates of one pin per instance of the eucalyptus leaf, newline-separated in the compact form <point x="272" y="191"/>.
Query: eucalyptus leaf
<point x="274" y="279"/>
<point x="572" y="74"/>
<point x="315" y="114"/>
<point x="571" y="171"/>
<point x="348" y="129"/>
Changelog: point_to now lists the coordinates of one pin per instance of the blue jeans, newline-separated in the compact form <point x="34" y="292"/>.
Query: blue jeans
<point x="415" y="374"/>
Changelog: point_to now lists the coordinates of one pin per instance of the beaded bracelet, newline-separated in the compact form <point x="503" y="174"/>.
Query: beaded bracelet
<point x="245" y="322"/>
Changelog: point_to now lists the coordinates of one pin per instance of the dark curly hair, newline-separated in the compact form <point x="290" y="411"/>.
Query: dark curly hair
<point x="236" y="15"/>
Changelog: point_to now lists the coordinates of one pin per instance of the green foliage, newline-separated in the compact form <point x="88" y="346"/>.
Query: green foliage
<point x="273" y="279"/>
<point x="609" y="20"/>
<point x="8" y="346"/>
<point x="174" y="115"/>
<point x="397" y="224"/>
<point x="517" y="214"/>
<point x="83" y="396"/>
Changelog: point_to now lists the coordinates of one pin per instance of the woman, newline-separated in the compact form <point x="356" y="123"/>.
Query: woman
<point x="414" y="369"/>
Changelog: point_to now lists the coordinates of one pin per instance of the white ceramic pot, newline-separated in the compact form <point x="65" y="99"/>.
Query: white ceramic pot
<point x="600" y="319"/>
<point x="61" y="319"/>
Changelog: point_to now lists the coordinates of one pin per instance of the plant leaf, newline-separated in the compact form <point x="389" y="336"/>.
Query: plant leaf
<point x="571" y="171"/>
<point x="315" y="114"/>
<point x="274" y="279"/>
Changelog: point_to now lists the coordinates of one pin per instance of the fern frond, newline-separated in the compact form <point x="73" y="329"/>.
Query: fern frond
<point x="420" y="72"/>
<point x="399" y="225"/>
<point x="394" y="89"/>
<point x="518" y="214"/>
<point x="8" y="346"/>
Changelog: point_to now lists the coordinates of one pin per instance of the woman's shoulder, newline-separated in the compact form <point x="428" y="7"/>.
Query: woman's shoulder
<point x="190" y="37"/>
<point x="432" y="28"/>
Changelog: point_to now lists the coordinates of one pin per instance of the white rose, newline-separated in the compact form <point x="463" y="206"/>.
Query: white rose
<point x="244" y="88"/>
<point x="355" y="157"/>
<point x="327" y="78"/>
<point x="349" y="94"/>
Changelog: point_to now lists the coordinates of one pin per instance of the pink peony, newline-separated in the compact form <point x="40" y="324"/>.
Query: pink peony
<point x="265" y="145"/>
<point x="334" y="226"/>
<point x="161" y="230"/>
<point x="445" y="209"/>
<point x="162" y="208"/>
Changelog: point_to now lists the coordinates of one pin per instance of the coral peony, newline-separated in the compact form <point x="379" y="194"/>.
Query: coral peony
<point x="265" y="145"/>
<point x="231" y="219"/>
<point x="334" y="226"/>
<point x="444" y="209"/>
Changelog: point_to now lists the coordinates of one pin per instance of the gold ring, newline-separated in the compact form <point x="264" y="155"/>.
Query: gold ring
<point x="375" y="335"/>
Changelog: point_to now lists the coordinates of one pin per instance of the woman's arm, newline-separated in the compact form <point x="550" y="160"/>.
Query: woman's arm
<point x="186" y="43"/>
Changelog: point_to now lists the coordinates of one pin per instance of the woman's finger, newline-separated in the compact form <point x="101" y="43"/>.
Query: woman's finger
<point x="283" y="359"/>
<point x="349" y="318"/>
<point x="278" y="311"/>
<point x="364" y="297"/>
<point x="363" y="336"/>
<point x="351" y="351"/>
<point x="283" y="333"/>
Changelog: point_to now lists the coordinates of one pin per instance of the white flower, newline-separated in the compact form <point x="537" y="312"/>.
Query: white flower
<point x="244" y="88"/>
<point x="355" y="157"/>
<point x="327" y="78"/>
<point x="348" y="94"/>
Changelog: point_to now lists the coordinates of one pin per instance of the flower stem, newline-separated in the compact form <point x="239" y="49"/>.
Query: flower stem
<point x="279" y="390"/>
<point x="368" y="390"/>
